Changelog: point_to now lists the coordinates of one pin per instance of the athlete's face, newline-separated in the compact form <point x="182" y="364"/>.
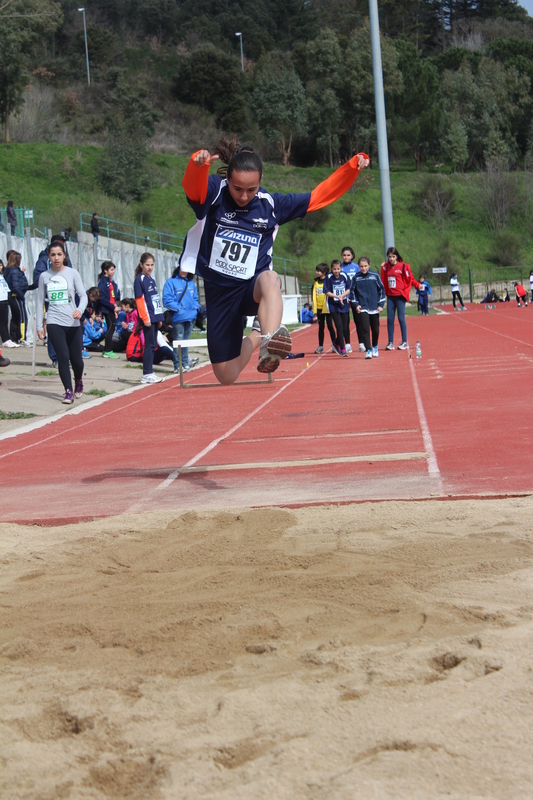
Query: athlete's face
<point x="336" y="269"/>
<point x="393" y="259"/>
<point x="364" y="266"/>
<point x="243" y="186"/>
<point x="347" y="256"/>
<point x="56" y="256"/>
<point x="148" y="266"/>
<point x="110" y="272"/>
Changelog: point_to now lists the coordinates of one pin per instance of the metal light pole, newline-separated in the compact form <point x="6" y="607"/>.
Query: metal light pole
<point x="381" y="124"/>
<point x="86" y="46"/>
<point x="242" y="56"/>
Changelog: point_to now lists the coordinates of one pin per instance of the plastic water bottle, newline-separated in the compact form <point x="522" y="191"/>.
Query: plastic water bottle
<point x="418" y="350"/>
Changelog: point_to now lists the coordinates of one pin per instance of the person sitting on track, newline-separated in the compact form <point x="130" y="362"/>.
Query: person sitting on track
<point x="230" y="246"/>
<point x="135" y="347"/>
<point x="61" y="285"/>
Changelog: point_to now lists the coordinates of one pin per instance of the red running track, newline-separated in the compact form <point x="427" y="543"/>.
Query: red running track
<point x="455" y="423"/>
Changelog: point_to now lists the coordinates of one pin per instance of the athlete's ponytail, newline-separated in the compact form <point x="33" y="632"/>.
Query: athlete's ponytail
<point x="235" y="157"/>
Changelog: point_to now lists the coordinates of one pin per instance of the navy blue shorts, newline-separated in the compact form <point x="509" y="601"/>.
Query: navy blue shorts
<point x="226" y="306"/>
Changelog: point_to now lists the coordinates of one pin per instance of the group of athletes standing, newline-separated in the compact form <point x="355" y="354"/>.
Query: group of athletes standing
<point x="353" y="285"/>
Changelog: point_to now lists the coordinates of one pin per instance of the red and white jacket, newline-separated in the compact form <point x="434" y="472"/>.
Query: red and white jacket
<point x="398" y="279"/>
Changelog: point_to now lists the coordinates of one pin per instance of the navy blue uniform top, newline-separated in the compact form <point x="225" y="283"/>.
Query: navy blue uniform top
<point x="338" y="286"/>
<point x="368" y="291"/>
<point x="148" y="299"/>
<point x="230" y="244"/>
<point x="351" y="270"/>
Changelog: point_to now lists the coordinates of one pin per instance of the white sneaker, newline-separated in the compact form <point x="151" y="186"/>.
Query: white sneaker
<point x="403" y="346"/>
<point x="10" y="343"/>
<point x="362" y="348"/>
<point x="348" y="348"/>
<point x="390" y="346"/>
<point x="151" y="378"/>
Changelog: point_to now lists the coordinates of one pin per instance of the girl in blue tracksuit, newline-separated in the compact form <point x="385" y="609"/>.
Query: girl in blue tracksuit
<point x="180" y="295"/>
<point x="369" y="297"/>
<point x="423" y="292"/>
<point x="337" y="291"/>
<point x="109" y="295"/>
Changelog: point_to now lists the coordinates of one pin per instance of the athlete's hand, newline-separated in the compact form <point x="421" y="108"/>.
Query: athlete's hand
<point x="204" y="157"/>
<point x="40" y="334"/>
<point x="380" y="309"/>
<point x="147" y="324"/>
<point x="358" y="308"/>
<point x="76" y="314"/>
<point x="362" y="161"/>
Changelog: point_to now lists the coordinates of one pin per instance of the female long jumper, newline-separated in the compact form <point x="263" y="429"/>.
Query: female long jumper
<point x="231" y="244"/>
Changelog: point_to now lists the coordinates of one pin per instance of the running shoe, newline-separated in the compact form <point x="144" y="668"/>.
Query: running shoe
<point x="273" y="348"/>
<point x="335" y="349"/>
<point x="369" y="354"/>
<point x="68" y="398"/>
<point x="319" y="351"/>
<point x="390" y="346"/>
<point x="78" y="389"/>
<point x="348" y="348"/>
<point x="151" y="378"/>
<point x="375" y="352"/>
<point x="54" y="364"/>
<point x="193" y="362"/>
<point x="110" y="354"/>
<point x="4" y="362"/>
<point x="343" y="353"/>
<point x="10" y="343"/>
<point x="362" y="348"/>
<point x="255" y="325"/>
<point x="403" y="346"/>
<point x="85" y="354"/>
<point x="186" y="369"/>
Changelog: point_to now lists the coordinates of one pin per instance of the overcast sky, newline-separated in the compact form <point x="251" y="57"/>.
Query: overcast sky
<point x="528" y="4"/>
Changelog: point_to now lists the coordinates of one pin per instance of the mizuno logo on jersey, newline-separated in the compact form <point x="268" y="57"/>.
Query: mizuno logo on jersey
<point x="240" y="236"/>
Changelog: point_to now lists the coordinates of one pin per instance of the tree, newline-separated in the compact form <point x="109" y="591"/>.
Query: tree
<point x="130" y="120"/>
<point x="22" y="22"/>
<point x="278" y="102"/>
<point x="435" y="199"/>
<point x="456" y="145"/>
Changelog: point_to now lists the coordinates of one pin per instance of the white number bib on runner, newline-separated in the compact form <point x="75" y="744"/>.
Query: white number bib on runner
<point x="235" y="253"/>
<point x="57" y="290"/>
<point x="156" y="302"/>
<point x="392" y="282"/>
<point x="338" y="290"/>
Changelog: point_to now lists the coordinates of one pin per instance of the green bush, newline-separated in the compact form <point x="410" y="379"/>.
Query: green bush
<point x="506" y="248"/>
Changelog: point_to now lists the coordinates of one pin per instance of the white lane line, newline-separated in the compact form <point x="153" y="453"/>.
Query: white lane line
<point x="433" y="467"/>
<point x="491" y="330"/>
<point x="173" y="475"/>
<point x="307" y="462"/>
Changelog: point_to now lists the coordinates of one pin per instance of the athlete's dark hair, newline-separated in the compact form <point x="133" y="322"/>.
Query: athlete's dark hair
<point x="143" y="259"/>
<point x="350" y="249"/>
<point x="335" y="262"/>
<point x="13" y="259"/>
<point x="57" y="243"/>
<point x="106" y="266"/>
<point x="138" y="327"/>
<point x="322" y="267"/>
<point x="93" y="293"/>
<point x="128" y="301"/>
<point x="176" y="274"/>
<point x="237" y="157"/>
<point x="394" y="253"/>
<point x="364" y="258"/>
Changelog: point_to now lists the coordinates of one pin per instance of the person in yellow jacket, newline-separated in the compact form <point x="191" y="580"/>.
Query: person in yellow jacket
<point x="320" y="308"/>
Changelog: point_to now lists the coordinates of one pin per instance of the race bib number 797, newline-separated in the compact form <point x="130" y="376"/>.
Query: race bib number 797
<point x="235" y="253"/>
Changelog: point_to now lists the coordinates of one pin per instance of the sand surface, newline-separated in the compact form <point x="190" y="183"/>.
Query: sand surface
<point x="381" y="650"/>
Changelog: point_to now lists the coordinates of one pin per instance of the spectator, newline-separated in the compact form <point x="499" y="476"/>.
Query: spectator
<point x="63" y="286"/>
<point x="181" y="296"/>
<point x="521" y="295"/>
<point x="127" y="325"/>
<point x="306" y="314"/>
<point x="456" y="292"/>
<point x="423" y="292"/>
<point x="135" y="347"/>
<point x="150" y="310"/>
<point x="109" y="295"/>
<point x="4" y="310"/>
<point x="93" y="301"/>
<point x="320" y="307"/>
<point x="93" y="333"/>
<point x="18" y="285"/>
<point x="397" y="278"/>
<point x="66" y="234"/>
<point x="11" y="216"/>
<point x="95" y="228"/>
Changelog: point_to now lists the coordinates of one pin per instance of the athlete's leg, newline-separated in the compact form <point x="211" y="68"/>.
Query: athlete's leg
<point x="400" y="306"/>
<point x="331" y="329"/>
<point x="58" y="337"/>
<point x="74" y="337"/>
<point x="365" y="329"/>
<point x="391" y="311"/>
<point x="374" y="326"/>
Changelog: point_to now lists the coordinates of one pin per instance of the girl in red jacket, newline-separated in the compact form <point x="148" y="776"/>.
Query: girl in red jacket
<point x="397" y="279"/>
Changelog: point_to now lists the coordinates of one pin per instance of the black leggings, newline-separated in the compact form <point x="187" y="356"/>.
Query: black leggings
<point x="110" y="322"/>
<point x="150" y="338"/>
<point x="457" y="296"/>
<point x="322" y="320"/>
<point x="369" y="322"/>
<point x="357" y="320"/>
<point x="342" y="322"/>
<point x="4" y="314"/>
<point x="68" y="344"/>
<point x="19" y="319"/>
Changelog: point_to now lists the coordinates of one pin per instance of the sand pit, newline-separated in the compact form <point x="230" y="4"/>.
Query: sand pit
<point x="369" y="651"/>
